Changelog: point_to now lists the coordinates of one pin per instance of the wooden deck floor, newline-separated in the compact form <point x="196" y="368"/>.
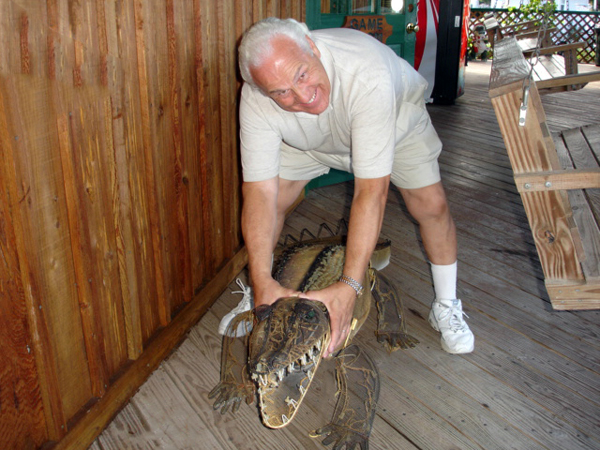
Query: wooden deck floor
<point x="533" y="380"/>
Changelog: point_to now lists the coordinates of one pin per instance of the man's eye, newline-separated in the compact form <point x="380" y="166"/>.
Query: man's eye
<point x="283" y="93"/>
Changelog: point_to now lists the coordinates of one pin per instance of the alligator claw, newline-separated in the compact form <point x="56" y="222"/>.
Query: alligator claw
<point x="341" y="436"/>
<point x="231" y="395"/>
<point x="395" y="340"/>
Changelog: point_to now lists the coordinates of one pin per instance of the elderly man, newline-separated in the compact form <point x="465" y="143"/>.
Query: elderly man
<point x="340" y="99"/>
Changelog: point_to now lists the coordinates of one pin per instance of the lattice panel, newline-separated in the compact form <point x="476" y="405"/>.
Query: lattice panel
<point x="571" y="27"/>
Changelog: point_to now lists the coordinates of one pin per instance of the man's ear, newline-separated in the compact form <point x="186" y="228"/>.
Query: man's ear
<point x="313" y="47"/>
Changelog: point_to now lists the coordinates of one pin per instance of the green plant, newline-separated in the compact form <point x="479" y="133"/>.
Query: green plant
<point x="535" y="10"/>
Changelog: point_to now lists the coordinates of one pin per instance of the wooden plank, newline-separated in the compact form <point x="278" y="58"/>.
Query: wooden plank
<point x="509" y="65"/>
<point x="162" y="155"/>
<point x="228" y="93"/>
<point x="202" y="160"/>
<point x="176" y="41"/>
<point x="82" y="264"/>
<point x="149" y="176"/>
<point x="592" y="136"/>
<point x="121" y="191"/>
<point x="188" y="85"/>
<point x="558" y="180"/>
<point x="578" y="297"/>
<point x="550" y="219"/>
<point x="553" y="64"/>
<point x="143" y="277"/>
<point x="214" y="140"/>
<point x="568" y="80"/>
<point x="520" y="141"/>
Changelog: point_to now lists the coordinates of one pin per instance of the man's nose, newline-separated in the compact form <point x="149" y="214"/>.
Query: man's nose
<point x="302" y="94"/>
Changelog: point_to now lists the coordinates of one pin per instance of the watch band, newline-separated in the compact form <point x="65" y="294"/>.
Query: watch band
<point x="352" y="283"/>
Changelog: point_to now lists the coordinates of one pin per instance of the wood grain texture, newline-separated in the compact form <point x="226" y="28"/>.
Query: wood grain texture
<point x="23" y="421"/>
<point x="122" y="177"/>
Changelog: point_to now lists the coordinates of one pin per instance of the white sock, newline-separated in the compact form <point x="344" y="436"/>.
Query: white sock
<point x="444" y="281"/>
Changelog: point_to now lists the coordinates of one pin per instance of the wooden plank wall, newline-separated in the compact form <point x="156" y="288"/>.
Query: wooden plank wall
<point x="119" y="197"/>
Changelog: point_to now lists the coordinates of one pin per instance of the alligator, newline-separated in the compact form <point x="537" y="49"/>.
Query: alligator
<point x="276" y="349"/>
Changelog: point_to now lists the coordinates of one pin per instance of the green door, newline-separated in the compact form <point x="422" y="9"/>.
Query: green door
<point x="390" y="20"/>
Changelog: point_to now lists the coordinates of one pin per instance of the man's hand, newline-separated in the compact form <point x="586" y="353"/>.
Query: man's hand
<point x="268" y="291"/>
<point x="339" y="298"/>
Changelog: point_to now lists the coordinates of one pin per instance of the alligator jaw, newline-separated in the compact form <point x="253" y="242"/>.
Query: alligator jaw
<point x="281" y="392"/>
<point x="283" y="368"/>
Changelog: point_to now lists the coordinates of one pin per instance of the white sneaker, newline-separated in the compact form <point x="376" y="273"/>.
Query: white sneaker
<point x="245" y="304"/>
<point x="446" y="316"/>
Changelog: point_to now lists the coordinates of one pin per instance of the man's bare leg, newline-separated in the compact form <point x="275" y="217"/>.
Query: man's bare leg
<point x="429" y="207"/>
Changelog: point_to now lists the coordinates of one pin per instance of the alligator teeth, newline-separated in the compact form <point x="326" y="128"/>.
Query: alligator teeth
<point x="284" y="419"/>
<point x="291" y="402"/>
<point x="263" y="379"/>
<point x="254" y="376"/>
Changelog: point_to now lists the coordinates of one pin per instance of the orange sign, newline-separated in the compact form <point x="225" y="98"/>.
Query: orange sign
<point x="376" y="26"/>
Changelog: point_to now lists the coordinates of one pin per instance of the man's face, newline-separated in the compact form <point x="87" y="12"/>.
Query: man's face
<point x="296" y="80"/>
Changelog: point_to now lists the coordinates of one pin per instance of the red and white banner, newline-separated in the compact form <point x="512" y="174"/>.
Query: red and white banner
<point x="428" y="18"/>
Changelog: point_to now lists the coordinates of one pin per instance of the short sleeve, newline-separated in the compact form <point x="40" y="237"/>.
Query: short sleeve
<point x="259" y="141"/>
<point x="373" y="122"/>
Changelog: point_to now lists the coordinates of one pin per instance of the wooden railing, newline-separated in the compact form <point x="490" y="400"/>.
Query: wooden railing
<point x="571" y="26"/>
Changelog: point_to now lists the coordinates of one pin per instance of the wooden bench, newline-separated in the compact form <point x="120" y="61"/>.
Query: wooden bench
<point x="558" y="180"/>
<point x="556" y="69"/>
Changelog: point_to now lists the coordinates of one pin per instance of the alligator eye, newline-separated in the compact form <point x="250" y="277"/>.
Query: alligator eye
<point x="262" y="312"/>
<point x="310" y="315"/>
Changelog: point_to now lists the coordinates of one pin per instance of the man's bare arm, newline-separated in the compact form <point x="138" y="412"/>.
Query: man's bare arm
<point x="261" y="228"/>
<point x="366" y="217"/>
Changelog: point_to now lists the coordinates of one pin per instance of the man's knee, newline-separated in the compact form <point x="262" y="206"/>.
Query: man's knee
<point x="426" y="203"/>
<point x="289" y="191"/>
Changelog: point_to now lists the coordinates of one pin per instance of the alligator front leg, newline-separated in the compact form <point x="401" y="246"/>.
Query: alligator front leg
<point x="391" y="323"/>
<point x="235" y="384"/>
<point x="355" y="409"/>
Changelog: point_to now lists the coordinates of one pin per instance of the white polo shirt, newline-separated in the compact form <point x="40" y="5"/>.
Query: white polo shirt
<point x="376" y="105"/>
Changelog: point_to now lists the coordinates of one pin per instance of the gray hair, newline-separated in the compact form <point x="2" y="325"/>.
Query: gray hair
<point x="256" y="43"/>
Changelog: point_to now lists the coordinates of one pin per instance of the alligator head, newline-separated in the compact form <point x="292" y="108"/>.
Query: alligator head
<point x="289" y="339"/>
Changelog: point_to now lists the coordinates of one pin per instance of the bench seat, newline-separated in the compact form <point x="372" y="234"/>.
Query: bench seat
<point x="558" y="178"/>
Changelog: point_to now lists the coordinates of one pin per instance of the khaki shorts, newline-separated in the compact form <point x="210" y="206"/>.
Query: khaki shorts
<point x="415" y="161"/>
